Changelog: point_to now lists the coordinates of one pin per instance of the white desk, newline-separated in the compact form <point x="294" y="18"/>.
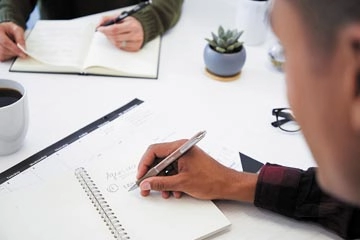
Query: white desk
<point x="240" y="110"/>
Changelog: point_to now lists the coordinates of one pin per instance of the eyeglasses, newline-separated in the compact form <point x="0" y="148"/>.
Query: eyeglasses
<point x="285" y="120"/>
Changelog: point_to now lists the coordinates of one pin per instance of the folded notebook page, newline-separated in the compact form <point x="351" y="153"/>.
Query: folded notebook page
<point x="71" y="46"/>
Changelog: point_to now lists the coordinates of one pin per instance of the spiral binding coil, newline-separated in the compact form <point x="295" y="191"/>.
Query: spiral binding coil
<point x="100" y="204"/>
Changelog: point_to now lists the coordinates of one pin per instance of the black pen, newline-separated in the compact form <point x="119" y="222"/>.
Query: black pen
<point x="125" y="14"/>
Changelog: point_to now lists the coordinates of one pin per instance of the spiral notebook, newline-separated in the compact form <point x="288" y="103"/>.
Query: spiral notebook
<point x="75" y="206"/>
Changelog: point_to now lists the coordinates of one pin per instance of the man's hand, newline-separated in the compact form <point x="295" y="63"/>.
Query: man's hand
<point x="127" y="35"/>
<point x="10" y="35"/>
<point x="198" y="175"/>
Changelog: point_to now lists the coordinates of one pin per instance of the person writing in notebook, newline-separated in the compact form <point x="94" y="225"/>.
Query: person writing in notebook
<point x="321" y="40"/>
<point x="130" y="34"/>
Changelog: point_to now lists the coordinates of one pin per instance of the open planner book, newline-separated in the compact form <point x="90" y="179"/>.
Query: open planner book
<point x="78" y="187"/>
<point x="78" y="206"/>
<point x="72" y="46"/>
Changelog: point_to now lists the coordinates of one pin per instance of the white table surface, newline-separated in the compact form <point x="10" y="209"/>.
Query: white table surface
<point x="239" y="110"/>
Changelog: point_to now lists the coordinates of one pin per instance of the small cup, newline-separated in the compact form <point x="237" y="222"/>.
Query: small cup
<point x="251" y="17"/>
<point x="14" y="116"/>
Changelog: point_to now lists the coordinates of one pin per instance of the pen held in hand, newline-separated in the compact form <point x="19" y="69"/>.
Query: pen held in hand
<point x="154" y="171"/>
<point x="125" y="14"/>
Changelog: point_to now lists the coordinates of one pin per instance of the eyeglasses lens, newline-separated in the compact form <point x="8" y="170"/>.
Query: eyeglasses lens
<point x="287" y="121"/>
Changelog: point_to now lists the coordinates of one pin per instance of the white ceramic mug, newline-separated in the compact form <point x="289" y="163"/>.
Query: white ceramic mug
<point x="251" y="17"/>
<point x="14" y="116"/>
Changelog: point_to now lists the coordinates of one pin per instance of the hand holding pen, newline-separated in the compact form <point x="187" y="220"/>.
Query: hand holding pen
<point x="125" y="14"/>
<point x="197" y="175"/>
<point x="165" y="164"/>
<point x="124" y="31"/>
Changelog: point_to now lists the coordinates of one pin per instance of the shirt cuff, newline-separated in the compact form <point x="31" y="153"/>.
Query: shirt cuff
<point x="277" y="189"/>
<point x="150" y="23"/>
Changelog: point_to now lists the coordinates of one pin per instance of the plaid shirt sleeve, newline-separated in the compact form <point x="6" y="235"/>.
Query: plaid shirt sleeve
<point x="294" y="193"/>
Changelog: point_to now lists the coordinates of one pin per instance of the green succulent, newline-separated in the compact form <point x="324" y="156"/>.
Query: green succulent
<point x="226" y="41"/>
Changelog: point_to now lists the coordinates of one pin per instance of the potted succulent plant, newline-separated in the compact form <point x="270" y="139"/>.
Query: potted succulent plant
<point x="225" y="55"/>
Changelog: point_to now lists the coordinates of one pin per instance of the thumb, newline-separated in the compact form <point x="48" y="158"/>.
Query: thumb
<point x="16" y="34"/>
<point x="168" y="183"/>
<point x="19" y="36"/>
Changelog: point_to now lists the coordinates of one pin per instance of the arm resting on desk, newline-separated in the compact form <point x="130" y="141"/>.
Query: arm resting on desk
<point x="295" y="193"/>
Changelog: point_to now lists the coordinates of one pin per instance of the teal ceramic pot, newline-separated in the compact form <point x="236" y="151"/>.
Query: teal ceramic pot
<point x="224" y="64"/>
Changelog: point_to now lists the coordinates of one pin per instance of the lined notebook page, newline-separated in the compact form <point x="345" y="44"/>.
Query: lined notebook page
<point x="60" y="42"/>
<point x="103" y="54"/>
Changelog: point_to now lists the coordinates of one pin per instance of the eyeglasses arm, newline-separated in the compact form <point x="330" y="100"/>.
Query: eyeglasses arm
<point x="278" y="123"/>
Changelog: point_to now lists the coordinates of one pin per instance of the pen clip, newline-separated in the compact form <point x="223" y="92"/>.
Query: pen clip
<point x="180" y="151"/>
<point x="122" y="15"/>
<point x="192" y="141"/>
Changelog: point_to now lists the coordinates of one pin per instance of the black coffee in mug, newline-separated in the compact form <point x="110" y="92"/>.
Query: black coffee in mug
<point x="8" y="96"/>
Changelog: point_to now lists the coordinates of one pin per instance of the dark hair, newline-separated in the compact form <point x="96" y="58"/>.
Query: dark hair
<point x="324" y="19"/>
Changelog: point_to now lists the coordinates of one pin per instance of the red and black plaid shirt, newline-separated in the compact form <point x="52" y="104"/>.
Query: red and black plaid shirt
<point x="295" y="193"/>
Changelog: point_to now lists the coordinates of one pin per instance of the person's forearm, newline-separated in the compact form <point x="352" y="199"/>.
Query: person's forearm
<point x="16" y="11"/>
<point x="159" y="17"/>
<point x="240" y="186"/>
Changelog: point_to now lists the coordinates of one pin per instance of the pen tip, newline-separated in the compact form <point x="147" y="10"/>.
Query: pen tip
<point x="133" y="187"/>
